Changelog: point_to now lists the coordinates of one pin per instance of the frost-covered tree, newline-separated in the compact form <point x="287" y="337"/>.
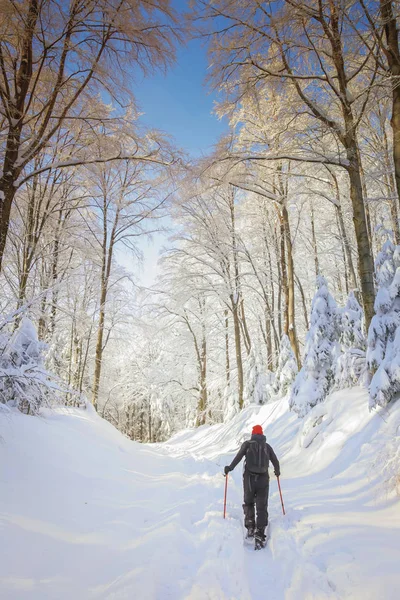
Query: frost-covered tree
<point x="24" y="382"/>
<point x="287" y="368"/>
<point x="140" y="402"/>
<point x="351" y="362"/>
<point x="383" y="352"/>
<point x="56" y="58"/>
<point x="315" y="378"/>
<point x="256" y="379"/>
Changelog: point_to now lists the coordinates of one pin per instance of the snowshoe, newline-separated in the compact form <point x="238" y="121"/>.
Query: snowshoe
<point x="250" y="533"/>
<point x="259" y="540"/>
<point x="249" y="536"/>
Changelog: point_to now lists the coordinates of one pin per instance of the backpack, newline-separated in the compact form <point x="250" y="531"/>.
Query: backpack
<point x="257" y="458"/>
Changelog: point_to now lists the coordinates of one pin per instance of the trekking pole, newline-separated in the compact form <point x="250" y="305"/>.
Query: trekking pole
<point x="280" y="492"/>
<point x="226" y="488"/>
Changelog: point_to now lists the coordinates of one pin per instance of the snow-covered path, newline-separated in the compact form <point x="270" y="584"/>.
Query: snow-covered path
<point x="87" y="514"/>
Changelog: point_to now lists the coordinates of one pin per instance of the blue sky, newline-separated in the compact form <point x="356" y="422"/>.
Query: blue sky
<point x="179" y="102"/>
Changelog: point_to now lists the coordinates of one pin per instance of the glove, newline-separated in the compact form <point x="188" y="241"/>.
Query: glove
<point x="227" y="469"/>
<point x="277" y="473"/>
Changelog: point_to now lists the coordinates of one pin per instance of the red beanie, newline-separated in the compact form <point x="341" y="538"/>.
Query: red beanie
<point x="257" y="429"/>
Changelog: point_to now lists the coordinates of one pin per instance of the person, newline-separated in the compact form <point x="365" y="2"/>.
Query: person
<point x="255" y="481"/>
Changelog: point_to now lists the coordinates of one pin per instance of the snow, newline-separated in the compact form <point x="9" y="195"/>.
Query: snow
<point x="88" y="514"/>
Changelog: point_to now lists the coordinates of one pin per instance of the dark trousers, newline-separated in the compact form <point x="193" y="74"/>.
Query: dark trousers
<point x="256" y="489"/>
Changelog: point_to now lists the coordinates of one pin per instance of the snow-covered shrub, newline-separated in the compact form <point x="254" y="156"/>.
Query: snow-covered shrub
<point x="350" y="365"/>
<point x="316" y="376"/>
<point x="287" y="369"/>
<point x="383" y="352"/>
<point x="24" y="382"/>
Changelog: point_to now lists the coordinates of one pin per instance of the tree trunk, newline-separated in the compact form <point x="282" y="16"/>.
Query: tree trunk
<point x="338" y="278"/>
<point x="243" y="323"/>
<point x="42" y="319"/>
<point x="344" y="257"/>
<point x="268" y="336"/>
<point x="395" y="122"/>
<point x="346" y="247"/>
<point x="304" y="303"/>
<point x="280" y="260"/>
<point x="71" y="347"/>
<point x="7" y="194"/>
<point x="284" y="278"/>
<point x="227" y="361"/>
<point x="150" y="424"/>
<point x="290" y="287"/>
<point x="314" y="241"/>
<point x="365" y="262"/>
<point x="235" y="300"/>
<point x="54" y="275"/>
<point x="107" y="257"/>
<point x="391" y="187"/>
<point x="365" y="201"/>
<point x="238" y="349"/>
<point x="392" y="53"/>
<point x="203" y="400"/>
<point x="99" y="345"/>
<point x="10" y="169"/>
<point x="85" y="360"/>
<point x="269" y="306"/>
<point x="395" y="221"/>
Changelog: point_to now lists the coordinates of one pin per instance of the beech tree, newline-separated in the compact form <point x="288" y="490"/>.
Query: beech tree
<point x="381" y="17"/>
<point x="52" y="68"/>
<point x="315" y="53"/>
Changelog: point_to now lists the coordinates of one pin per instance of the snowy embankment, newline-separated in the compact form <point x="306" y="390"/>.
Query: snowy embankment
<point x="86" y="513"/>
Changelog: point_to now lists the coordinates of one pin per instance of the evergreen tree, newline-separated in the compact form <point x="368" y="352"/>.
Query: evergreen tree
<point x="287" y="368"/>
<point x="256" y="379"/>
<point x="315" y="378"/>
<point x="351" y="362"/>
<point x="383" y="353"/>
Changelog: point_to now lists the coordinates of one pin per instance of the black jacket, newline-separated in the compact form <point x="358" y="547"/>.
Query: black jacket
<point x="245" y="446"/>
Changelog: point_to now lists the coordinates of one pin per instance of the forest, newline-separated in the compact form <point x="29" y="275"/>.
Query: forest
<point x="281" y="270"/>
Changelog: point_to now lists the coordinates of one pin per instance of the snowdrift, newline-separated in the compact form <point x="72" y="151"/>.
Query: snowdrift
<point x="86" y="513"/>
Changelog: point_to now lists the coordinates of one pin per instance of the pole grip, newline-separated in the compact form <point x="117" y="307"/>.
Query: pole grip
<point x="280" y="493"/>
<point x="226" y="489"/>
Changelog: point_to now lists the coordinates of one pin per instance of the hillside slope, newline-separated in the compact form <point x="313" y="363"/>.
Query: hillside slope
<point x="86" y="513"/>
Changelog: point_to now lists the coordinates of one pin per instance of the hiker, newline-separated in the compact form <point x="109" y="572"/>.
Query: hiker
<point x="255" y="481"/>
